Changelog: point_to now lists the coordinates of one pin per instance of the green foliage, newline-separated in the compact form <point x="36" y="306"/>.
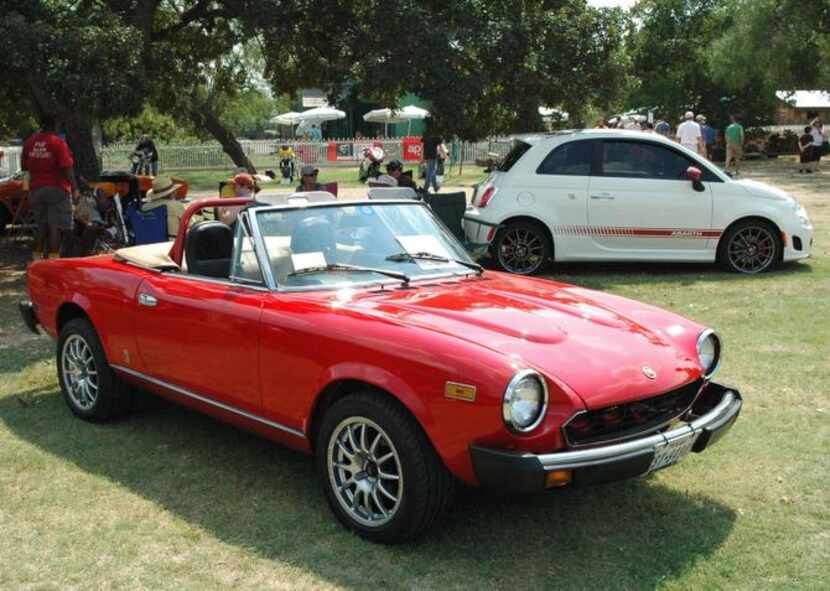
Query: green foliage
<point x="672" y="44"/>
<point x="161" y="127"/>
<point x="787" y="40"/>
<point x="484" y="66"/>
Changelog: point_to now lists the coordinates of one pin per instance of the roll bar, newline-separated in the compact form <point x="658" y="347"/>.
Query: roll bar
<point x="177" y="251"/>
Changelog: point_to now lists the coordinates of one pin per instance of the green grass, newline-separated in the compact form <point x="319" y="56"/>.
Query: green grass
<point x="169" y="499"/>
<point x="205" y="181"/>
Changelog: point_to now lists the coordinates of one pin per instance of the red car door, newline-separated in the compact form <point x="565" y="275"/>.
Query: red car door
<point x="201" y="335"/>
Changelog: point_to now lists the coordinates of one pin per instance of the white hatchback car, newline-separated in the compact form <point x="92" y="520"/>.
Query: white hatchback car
<point x="614" y="195"/>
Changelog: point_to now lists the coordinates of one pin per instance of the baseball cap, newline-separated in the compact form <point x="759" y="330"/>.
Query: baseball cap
<point x="394" y="165"/>
<point x="244" y="180"/>
<point x="689" y="115"/>
<point x="308" y="170"/>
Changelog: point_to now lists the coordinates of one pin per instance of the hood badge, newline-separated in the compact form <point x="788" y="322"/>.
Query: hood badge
<point x="649" y="373"/>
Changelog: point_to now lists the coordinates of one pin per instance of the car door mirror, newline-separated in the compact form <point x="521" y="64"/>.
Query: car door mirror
<point x="694" y="174"/>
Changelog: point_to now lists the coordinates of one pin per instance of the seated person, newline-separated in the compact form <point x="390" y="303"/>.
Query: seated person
<point x="91" y="211"/>
<point x="285" y="156"/>
<point x="395" y="170"/>
<point x="244" y="186"/>
<point x="163" y="193"/>
<point x="308" y="180"/>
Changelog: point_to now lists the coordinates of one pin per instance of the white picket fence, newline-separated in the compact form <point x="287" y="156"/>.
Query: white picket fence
<point x="345" y="152"/>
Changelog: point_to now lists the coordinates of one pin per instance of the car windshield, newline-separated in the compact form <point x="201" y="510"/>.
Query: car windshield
<point x="349" y="244"/>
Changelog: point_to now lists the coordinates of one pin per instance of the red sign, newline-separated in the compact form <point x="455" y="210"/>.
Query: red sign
<point x="413" y="148"/>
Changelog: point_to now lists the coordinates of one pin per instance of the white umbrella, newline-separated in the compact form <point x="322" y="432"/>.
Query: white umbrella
<point x="387" y="116"/>
<point x="321" y="115"/>
<point x="290" y="118"/>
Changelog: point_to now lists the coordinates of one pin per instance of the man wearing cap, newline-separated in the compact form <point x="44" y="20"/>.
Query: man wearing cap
<point x="163" y="193"/>
<point x="308" y="179"/>
<point x="395" y="170"/>
<point x="47" y="159"/>
<point x="708" y="136"/>
<point x="689" y="134"/>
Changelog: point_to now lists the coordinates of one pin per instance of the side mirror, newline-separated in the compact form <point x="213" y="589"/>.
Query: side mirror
<point x="694" y="174"/>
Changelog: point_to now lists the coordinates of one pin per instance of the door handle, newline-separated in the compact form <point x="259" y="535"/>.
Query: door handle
<point x="601" y="196"/>
<point x="145" y="299"/>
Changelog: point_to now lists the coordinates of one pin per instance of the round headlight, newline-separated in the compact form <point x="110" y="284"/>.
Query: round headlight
<point x="525" y="400"/>
<point x="708" y="352"/>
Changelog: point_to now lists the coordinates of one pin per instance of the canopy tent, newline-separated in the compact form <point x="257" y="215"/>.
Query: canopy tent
<point x="386" y="116"/>
<point x="290" y="118"/>
<point x="321" y="115"/>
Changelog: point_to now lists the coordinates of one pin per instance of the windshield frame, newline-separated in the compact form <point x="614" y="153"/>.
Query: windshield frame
<point x="271" y="282"/>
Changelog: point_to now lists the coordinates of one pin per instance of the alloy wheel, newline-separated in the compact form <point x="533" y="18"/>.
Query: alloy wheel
<point x="365" y="471"/>
<point x="521" y="250"/>
<point x="751" y="249"/>
<point x="80" y="374"/>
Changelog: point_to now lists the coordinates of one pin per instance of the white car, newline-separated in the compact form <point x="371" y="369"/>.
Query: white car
<point x="614" y="195"/>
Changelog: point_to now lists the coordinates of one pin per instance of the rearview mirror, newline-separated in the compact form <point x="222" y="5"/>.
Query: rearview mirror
<point x="694" y="174"/>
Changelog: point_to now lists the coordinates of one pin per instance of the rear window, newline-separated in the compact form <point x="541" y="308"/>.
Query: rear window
<point x="514" y="155"/>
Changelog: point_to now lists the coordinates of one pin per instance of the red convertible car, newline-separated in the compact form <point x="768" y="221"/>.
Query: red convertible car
<point x="362" y="333"/>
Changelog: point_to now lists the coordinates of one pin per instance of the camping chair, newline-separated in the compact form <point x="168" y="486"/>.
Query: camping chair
<point x="330" y="188"/>
<point x="148" y="226"/>
<point x="449" y="208"/>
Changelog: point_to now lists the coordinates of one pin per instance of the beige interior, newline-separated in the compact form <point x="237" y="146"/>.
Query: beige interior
<point x="151" y="256"/>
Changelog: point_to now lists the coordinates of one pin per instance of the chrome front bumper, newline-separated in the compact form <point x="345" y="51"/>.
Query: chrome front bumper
<point x="525" y="472"/>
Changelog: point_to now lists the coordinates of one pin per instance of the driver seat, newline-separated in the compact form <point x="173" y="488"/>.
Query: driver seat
<point x="208" y="249"/>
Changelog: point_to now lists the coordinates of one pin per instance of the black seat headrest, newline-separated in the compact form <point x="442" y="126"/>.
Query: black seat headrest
<point x="208" y="249"/>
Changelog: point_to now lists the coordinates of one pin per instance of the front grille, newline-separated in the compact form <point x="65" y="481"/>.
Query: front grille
<point x="628" y="420"/>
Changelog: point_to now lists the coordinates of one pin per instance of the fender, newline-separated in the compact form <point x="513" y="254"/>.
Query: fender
<point x="377" y="377"/>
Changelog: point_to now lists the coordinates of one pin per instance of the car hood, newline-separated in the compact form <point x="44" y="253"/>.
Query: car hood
<point x="766" y="191"/>
<point x="597" y="349"/>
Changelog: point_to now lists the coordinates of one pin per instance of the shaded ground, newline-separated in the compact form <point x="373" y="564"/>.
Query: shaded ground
<point x="169" y="499"/>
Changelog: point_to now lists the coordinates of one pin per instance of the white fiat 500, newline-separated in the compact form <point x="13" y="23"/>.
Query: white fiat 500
<point x="602" y="195"/>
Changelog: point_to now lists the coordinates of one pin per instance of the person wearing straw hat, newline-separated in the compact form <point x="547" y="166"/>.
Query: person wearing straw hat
<point x="163" y="193"/>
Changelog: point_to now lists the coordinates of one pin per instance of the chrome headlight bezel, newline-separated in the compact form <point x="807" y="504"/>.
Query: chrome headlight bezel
<point x="712" y="367"/>
<point x="507" y="400"/>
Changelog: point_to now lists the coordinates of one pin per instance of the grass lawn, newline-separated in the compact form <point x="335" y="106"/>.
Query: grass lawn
<point x="203" y="181"/>
<point x="169" y="499"/>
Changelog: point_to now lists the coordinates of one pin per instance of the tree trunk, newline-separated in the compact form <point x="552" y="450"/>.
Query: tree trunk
<point x="79" y="137"/>
<point x="204" y="118"/>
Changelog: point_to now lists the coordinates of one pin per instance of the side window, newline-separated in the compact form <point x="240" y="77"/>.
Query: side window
<point x="573" y="158"/>
<point x="244" y="264"/>
<point x="633" y="159"/>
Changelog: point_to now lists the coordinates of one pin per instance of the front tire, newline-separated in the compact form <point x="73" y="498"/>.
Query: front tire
<point x="751" y="246"/>
<point x="381" y="476"/>
<point x="89" y="385"/>
<point x="522" y="247"/>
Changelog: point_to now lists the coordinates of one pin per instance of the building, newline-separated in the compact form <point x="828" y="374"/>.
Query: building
<point x="799" y="107"/>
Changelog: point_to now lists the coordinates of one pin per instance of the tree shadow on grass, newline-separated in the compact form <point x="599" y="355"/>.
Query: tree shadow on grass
<point x="249" y="492"/>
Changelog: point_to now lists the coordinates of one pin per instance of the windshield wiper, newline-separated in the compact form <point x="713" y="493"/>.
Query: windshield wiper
<point x="428" y="256"/>
<point x="335" y="267"/>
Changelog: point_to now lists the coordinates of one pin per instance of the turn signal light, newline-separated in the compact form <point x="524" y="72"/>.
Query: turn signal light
<point x="557" y="478"/>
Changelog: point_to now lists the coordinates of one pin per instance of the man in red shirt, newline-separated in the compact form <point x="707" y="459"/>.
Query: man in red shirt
<point x="52" y="184"/>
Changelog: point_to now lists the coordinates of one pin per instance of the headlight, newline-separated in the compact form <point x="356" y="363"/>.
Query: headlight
<point x="708" y="352"/>
<point x="802" y="216"/>
<point x="525" y="401"/>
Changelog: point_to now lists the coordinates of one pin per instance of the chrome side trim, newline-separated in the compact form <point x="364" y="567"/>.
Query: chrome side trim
<point x="222" y="405"/>
<point x="728" y="406"/>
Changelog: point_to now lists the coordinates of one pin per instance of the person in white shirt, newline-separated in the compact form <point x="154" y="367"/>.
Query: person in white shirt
<point x="819" y="137"/>
<point x="689" y="134"/>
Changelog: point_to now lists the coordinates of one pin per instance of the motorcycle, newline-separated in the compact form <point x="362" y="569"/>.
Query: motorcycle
<point x="370" y="165"/>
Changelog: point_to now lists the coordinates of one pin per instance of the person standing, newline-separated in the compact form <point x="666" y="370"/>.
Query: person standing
<point x="689" y="134"/>
<point x="819" y="139"/>
<point x="662" y="127"/>
<point x="734" y="135"/>
<point x="805" y="150"/>
<point x="52" y="185"/>
<point x="431" y="158"/>
<point x="148" y="147"/>
<point x="709" y="134"/>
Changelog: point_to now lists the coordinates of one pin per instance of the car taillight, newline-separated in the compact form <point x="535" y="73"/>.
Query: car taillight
<point x="487" y="196"/>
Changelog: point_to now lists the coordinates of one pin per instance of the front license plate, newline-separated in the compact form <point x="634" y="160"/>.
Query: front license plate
<point x="672" y="452"/>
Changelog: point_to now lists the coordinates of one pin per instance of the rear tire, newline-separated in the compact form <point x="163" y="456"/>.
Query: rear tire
<point x="522" y="247"/>
<point x="381" y="476"/>
<point x="5" y="219"/>
<point x="751" y="246"/>
<point x="89" y="385"/>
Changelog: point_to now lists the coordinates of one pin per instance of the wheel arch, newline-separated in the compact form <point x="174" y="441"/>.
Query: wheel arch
<point x="69" y="311"/>
<point x="535" y="220"/>
<point x="339" y="388"/>
<point x="749" y="218"/>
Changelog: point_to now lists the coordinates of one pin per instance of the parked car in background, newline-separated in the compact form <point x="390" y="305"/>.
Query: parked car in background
<point x="362" y="333"/>
<point x="614" y="195"/>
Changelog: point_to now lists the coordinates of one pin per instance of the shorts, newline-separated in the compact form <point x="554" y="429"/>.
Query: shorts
<point x="734" y="152"/>
<point x="52" y="206"/>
